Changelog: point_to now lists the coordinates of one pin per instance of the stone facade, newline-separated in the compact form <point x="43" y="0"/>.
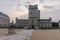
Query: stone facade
<point x="21" y="23"/>
<point x="34" y="20"/>
<point x="34" y="16"/>
<point x="45" y="22"/>
<point x="4" y="20"/>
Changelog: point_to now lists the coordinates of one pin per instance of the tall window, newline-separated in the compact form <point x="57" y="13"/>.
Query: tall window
<point x="1" y="24"/>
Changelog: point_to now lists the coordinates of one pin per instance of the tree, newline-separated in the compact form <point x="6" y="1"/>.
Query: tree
<point x="54" y="24"/>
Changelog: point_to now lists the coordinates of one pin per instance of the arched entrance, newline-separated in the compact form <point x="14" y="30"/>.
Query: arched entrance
<point x="32" y="26"/>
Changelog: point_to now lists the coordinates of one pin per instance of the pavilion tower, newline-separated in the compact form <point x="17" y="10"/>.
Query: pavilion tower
<point x="34" y="16"/>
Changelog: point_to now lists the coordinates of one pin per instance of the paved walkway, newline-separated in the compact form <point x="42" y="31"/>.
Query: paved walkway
<point x="46" y="35"/>
<point x="23" y="35"/>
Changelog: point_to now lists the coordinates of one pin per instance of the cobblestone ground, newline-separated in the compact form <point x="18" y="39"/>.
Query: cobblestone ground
<point x="46" y="35"/>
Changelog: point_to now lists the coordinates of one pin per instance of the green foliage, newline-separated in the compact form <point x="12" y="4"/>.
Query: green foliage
<point x="55" y="24"/>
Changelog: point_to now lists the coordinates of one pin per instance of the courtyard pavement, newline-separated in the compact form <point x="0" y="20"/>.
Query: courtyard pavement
<point x="45" y="35"/>
<point x="23" y="35"/>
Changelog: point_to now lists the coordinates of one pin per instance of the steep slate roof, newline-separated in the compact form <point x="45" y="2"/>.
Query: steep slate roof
<point x="39" y="20"/>
<point x="22" y="20"/>
<point x="44" y="20"/>
<point x="1" y="13"/>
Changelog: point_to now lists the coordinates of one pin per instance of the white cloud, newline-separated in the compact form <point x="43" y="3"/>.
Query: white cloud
<point x="19" y="8"/>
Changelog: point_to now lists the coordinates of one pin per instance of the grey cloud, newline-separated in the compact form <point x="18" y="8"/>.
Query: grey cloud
<point x="55" y="14"/>
<point x="42" y="1"/>
<point x="18" y="9"/>
<point x="49" y="7"/>
<point x="27" y="3"/>
<point x="57" y="11"/>
<point x="26" y="6"/>
<point x="13" y="0"/>
<point x="25" y="16"/>
<point x="18" y="4"/>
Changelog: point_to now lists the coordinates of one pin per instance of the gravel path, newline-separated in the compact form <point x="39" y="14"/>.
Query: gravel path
<point x="46" y="35"/>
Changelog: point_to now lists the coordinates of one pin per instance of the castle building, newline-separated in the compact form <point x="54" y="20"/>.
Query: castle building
<point x="33" y="20"/>
<point x="4" y="20"/>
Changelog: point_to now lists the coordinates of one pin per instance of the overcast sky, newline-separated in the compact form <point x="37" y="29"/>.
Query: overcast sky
<point x="19" y="8"/>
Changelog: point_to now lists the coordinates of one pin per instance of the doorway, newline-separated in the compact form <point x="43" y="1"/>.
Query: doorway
<point x="32" y="26"/>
